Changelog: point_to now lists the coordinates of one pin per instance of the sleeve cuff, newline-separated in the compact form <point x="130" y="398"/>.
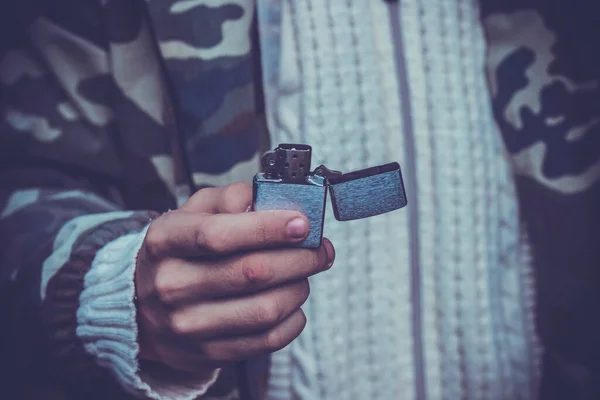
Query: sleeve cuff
<point x="107" y="326"/>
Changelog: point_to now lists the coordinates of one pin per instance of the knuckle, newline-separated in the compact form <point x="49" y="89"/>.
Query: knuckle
<point x="197" y="197"/>
<point x="268" y="312"/>
<point x="211" y="237"/>
<point x="179" y="324"/>
<point x="165" y="285"/>
<point x="256" y="269"/>
<point x="155" y="238"/>
<point x="201" y="193"/>
<point x="200" y="201"/>
<point x="274" y="340"/>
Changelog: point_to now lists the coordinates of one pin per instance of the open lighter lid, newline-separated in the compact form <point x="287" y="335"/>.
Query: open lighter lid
<point x="365" y="193"/>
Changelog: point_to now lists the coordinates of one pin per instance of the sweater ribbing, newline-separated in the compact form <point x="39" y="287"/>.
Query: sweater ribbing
<point x="475" y="331"/>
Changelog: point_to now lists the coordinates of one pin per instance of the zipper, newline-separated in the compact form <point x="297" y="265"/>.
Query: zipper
<point x="411" y="193"/>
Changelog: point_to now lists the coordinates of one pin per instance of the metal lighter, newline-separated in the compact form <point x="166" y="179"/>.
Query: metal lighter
<point x="288" y="184"/>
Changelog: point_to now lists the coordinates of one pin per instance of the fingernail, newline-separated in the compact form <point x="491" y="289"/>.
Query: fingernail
<point x="330" y="250"/>
<point x="297" y="228"/>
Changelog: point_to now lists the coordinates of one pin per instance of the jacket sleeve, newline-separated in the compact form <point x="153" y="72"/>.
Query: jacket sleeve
<point x="70" y="224"/>
<point x="71" y="254"/>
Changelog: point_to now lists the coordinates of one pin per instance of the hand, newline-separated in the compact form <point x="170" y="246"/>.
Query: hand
<point x="216" y="284"/>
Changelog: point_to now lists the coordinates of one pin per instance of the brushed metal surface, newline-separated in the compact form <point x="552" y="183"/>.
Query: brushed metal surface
<point x="365" y="197"/>
<point x="309" y="199"/>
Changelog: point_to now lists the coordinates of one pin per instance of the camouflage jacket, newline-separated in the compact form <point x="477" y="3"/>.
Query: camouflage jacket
<point x="90" y="127"/>
<point x="129" y="105"/>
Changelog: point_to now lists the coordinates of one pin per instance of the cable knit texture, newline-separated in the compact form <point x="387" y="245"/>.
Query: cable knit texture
<point x="107" y="324"/>
<point x="338" y="90"/>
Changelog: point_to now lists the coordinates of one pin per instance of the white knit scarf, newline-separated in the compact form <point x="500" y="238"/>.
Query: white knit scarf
<point x="334" y="85"/>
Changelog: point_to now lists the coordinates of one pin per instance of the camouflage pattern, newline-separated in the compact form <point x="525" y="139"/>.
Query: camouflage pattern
<point x="90" y="126"/>
<point x="544" y="73"/>
<point x="212" y="74"/>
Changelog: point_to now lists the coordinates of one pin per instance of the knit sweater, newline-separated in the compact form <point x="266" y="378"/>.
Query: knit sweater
<point x="435" y="302"/>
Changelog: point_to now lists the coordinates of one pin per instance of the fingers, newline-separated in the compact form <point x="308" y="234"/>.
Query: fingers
<point x="187" y="234"/>
<point x="217" y="284"/>
<point x="180" y="281"/>
<point x="234" y="198"/>
<point x="235" y="349"/>
<point x="239" y="316"/>
<point x="219" y="352"/>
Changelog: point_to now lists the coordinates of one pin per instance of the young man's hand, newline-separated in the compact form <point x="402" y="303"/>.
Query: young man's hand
<point x="217" y="284"/>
